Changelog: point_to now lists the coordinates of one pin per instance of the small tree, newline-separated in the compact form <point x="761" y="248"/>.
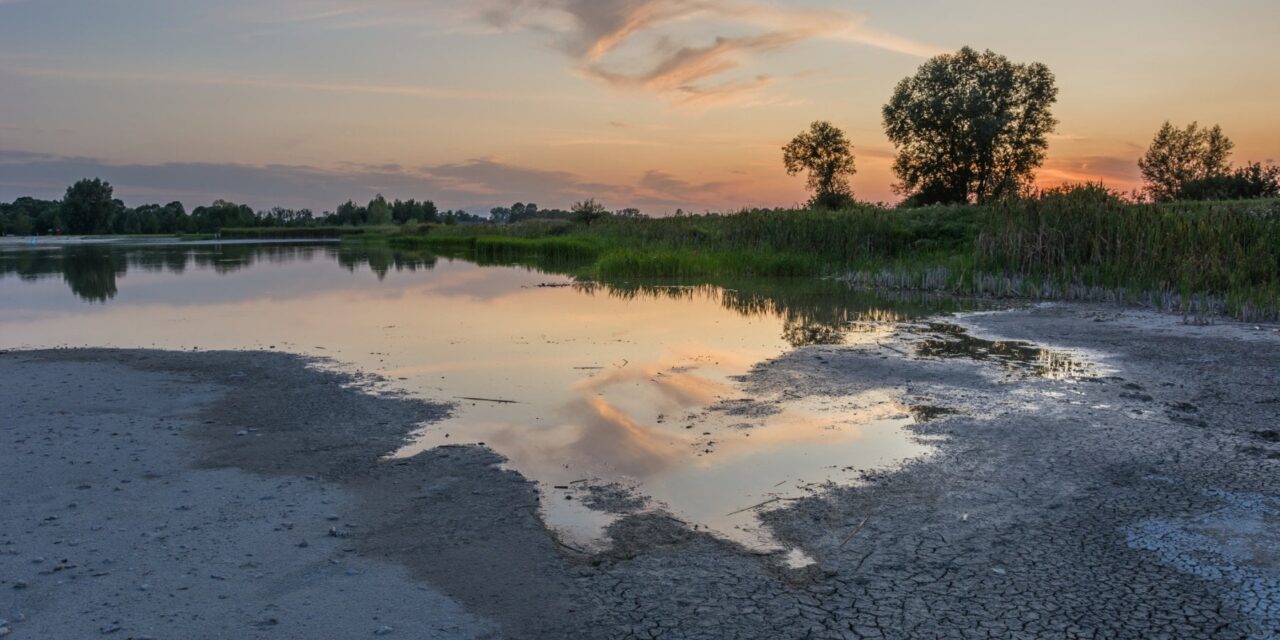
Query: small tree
<point x="1179" y="157"/>
<point x="379" y="210"/>
<point x="588" y="211"/>
<point x="827" y="155"/>
<point x="88" y="207"/>
<point x="970" y="126"/>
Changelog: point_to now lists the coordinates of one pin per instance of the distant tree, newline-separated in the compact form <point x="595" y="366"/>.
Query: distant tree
<point x="827" y="155"/>
<point x="1253" y="180"/>
<point x="379" y="211"/>
<point x="222" y="215"/>
<point x="350" y="213"/>
<point x="26" y="216"/>
<point x="21" y="224"/>
<point x="87" y="207"/>
<point x="414" y="211"/>
<point x="588" y="211"/>
<point x="970" y="126"/>
<point x="1179" y="157"/>
<point x="500" y="215"/>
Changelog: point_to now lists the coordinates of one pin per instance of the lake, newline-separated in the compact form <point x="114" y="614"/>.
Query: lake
<point x="631" y="385"/>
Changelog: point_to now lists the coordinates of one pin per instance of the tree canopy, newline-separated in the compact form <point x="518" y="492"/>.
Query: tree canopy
<point x="827" y="155"/>
<point x="1179" y="157"/>
<point x="970" y="126"/>
<point x="88" y="207"/>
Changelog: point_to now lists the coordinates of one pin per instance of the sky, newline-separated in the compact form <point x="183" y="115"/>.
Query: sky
<point x="654" y="104"/>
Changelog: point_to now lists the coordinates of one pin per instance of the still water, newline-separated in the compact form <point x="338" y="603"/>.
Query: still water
<point x="577" y="385"/>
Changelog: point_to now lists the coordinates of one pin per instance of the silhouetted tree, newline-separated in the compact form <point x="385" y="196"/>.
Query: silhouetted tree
<point x="827" y="155"/>
<point x="588" y="211"/>
<point x="1178" y="157"/>
<point x="88" y="207"/>
<point x="970" y="126"/>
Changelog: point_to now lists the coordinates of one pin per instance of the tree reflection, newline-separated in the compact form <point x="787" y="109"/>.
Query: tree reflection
<point x="91" y="272"/>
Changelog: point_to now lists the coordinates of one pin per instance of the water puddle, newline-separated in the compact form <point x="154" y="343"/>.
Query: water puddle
<point x="616" y="398"/>
<point x="951" y="341"/>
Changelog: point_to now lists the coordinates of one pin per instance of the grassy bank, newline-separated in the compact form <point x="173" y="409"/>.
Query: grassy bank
<point x="1083" y="244"/>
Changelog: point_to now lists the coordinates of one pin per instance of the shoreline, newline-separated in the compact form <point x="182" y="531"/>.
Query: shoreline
<point x="1141" y="501"/>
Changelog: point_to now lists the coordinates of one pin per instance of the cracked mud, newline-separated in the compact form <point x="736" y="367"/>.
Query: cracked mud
<point x="1099" y="473"/>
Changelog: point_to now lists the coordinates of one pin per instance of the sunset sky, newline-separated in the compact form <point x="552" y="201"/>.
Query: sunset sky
<point x="656" y="104"/>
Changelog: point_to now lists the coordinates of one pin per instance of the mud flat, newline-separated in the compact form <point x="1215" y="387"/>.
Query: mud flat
<point x="1099" y="472"/>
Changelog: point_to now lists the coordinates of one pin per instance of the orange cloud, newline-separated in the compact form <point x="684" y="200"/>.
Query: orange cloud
<point x="594" y="31"/>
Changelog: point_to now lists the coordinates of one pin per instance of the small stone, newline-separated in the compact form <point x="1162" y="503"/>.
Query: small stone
<point x="383" y="630"/>
<point x="19" y="585"/>
<point x="242" y="432"/>
<point x="108" y="629"/>
<point x="303" y="545"/>
<point x="4" y="631"/>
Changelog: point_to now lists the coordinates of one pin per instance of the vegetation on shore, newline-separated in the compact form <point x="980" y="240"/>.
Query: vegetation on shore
<point x="1082" y="243"/>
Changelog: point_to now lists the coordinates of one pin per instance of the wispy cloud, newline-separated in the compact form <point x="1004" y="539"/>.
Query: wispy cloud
<point x="595" y="33"/>
<point x="199" y="79"/>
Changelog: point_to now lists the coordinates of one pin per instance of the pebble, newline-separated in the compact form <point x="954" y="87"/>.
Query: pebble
<point x="383" y="630"/>
<point x="20" y="585"/>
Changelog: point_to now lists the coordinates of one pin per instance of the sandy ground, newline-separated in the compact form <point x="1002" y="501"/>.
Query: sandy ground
<point x="246" y="495"/>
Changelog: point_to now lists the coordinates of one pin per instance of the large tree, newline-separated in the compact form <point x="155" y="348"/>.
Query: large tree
<point x="970" y="126"/>
<point x="827" y="155"/>
<point x="1179" y="157"/>
<point x="88" y="206"/>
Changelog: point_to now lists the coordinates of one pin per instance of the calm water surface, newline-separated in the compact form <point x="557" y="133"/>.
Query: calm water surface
<point x="599" y="383"/>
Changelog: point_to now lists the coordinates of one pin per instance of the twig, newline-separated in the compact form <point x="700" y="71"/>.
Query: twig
<point x="755" y="506"/>
<point x="854" y="533"/>
<point x="497" y="400"/>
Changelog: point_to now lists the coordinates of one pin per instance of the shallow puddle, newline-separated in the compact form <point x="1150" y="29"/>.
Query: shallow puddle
<point x="579" y="386"/>
<point x="945" y="340"/>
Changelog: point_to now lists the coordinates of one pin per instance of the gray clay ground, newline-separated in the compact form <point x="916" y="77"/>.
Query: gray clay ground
<point x="246" y="495"/>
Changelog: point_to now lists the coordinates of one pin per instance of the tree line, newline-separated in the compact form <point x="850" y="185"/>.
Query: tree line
<point x="90" y="208"/>
<point x="973" y="127"/>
